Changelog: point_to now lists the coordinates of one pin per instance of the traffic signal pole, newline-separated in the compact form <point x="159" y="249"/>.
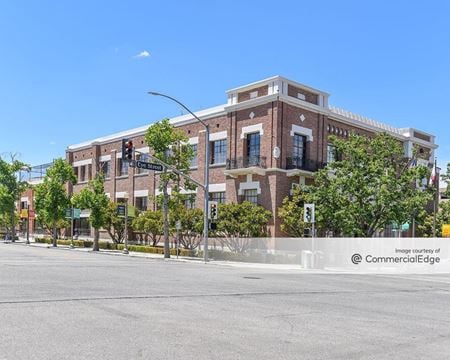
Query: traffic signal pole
<point x="125" y="248"/>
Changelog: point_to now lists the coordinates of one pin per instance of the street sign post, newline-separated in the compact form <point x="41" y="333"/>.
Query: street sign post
<point x="146" y="165"/>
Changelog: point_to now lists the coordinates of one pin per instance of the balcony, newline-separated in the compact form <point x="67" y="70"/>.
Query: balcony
<point x="246" y="165"/>
<point x="299" y="163"/>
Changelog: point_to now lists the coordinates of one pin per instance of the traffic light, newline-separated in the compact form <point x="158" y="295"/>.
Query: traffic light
<point x="213" y="210"/>
<point x="308" y="213"/>
<point x="127" y="149"/>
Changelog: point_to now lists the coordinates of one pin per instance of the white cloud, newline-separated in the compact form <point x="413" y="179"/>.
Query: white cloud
<point x="142" y="54"/>
<point x="52" y="142"/>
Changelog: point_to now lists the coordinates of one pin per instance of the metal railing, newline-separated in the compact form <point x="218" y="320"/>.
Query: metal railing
<point x="38" y="172"/>
<point x="245" y="162"/>
<point x="304" y="164"/>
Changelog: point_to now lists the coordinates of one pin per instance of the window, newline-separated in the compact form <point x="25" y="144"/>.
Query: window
<point x="251" y="195"/>
<point x="122" y="167"/>
<point x="253" y="145"/>
<point x="105" y="168"/>
<point x="194" y="161"/>
<point x="141" y="203"/>
<point x="168" y="153"/>
<point x="299" y="150"/>
<point x="331" y="153"/>
<point x="142" y="157"/>
<point x="82" y="173"/>
<point x="219" y="152"/>
<point x="217" y="196"/>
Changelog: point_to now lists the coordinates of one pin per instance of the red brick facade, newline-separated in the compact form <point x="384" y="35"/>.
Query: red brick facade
<point x="272" y="108"/>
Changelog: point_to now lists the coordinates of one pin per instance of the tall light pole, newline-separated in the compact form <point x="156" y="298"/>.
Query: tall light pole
<point x="206" y="175"/>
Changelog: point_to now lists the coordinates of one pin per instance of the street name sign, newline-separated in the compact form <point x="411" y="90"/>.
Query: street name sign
<point x="146" y="165"/>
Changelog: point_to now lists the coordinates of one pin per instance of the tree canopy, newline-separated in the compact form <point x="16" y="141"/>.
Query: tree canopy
<point x="169" y="145"/>
<point x="237" y="223"/>
<point x="11" y="186"/>
<point x="51" y="196"/>
<point x="371" y="187"/>
<point x="93" y="197"/>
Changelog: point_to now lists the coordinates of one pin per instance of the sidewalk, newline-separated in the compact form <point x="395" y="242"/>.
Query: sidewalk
<point x="192" y="260"/>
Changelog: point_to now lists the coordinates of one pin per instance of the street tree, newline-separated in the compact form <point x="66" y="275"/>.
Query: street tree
<point x="151" y="223"/>
<point x="238" y="223"/>
<point x="291" y="212"/>
<point x="11" y="186"/>
<point x="191" y="221"/>
<point x="169" y="145"/>
<point x="428" y="220"/>
<point x="52" y="198"/>
<point x="93" y="197"/>
<point x="372" y="186"/>
<point x="114" y="224"/>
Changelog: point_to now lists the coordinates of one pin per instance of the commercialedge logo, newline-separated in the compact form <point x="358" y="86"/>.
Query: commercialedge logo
<point x="356" y="259"/>
<point x="415" y="259"/>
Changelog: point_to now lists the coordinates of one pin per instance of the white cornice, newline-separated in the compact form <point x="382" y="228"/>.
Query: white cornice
<point x="176" y="121"/>
<point x="252" y="102"/>
<point x="271" y="79"/>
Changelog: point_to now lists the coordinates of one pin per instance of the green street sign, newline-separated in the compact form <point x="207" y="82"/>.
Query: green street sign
<point x="73" y="213"/>
<point x="76" y="213"/>
<point x="131" y="211"/>
<point x="121" y="210"/>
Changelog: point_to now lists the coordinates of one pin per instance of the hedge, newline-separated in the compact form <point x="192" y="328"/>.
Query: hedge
<point x="213" y="254"/>
<point x="112" y="246"/>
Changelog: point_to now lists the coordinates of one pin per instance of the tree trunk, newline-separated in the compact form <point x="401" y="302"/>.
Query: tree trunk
<point x="55" y="233"/>
<point x="13" y="226"/>
<point x="96" y="246"/>
<point x="166" y="221"/>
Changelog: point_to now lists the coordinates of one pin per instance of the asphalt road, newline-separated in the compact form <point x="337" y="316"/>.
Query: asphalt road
<point x="62" y="304"/>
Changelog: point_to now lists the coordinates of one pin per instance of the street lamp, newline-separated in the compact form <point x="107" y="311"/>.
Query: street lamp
<point x="206" y="179"/>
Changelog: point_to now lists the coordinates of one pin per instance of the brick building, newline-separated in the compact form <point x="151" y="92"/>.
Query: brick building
<point x="270" y="136"/>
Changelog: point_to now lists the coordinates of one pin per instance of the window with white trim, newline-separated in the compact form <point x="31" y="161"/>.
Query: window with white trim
<point x="219" y="151"/>
<point x="194" y="160"/>
<point x="141" y="203"/>
<point x="251" y="195"/>
<point x="299" y="149"/>
<point x="218" y="196"/>
<point x="105" y="168"/>
<point x="331" y="153"/>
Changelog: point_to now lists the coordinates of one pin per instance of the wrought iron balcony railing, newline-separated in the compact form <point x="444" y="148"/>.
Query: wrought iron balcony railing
<point x="245" y="162"/>
<point x="303" y="164"/>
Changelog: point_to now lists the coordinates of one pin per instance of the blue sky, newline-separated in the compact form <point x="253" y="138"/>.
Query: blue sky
<point x="69" y="70"/>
